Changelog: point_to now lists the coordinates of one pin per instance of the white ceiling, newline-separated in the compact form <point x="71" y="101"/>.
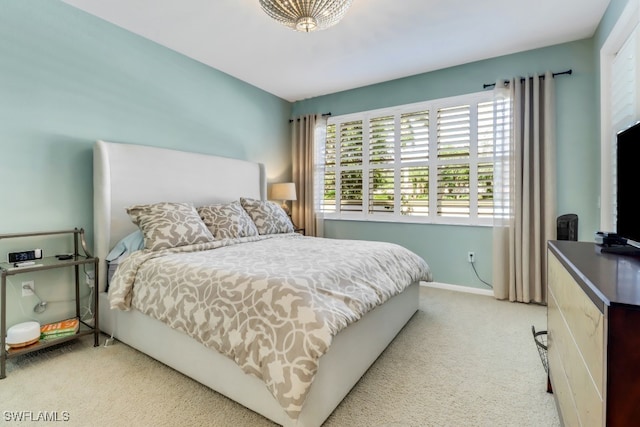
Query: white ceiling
<point x="378" y="40"/>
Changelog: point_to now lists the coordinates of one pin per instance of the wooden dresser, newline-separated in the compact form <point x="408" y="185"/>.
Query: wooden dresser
<point x="593" y="323"/>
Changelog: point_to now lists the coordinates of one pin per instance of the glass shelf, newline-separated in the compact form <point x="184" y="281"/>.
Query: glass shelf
<point x="45" y="263"/>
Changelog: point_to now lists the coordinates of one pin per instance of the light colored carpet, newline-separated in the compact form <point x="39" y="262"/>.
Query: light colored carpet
<point x="463" y="360"/>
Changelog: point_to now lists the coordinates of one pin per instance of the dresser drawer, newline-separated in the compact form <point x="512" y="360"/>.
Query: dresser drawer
<point x="576" y="349"/>
<point x="560" y="382"/>
<point x="583" y="319"/>
<point x="582" y="401"/>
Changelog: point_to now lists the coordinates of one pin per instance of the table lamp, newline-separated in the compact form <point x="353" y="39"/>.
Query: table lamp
<point x="284" y="191"/>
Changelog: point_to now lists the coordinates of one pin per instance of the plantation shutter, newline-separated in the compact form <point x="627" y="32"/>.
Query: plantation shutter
<point x="381" y="164"/>
<point x="431" y="161"/>
<point x="485" y="160"/>
<point x="350" y="140"/>
<point x="414" y="163"/>
<point x="328" y="200"/>
<point x="454" y="145"/>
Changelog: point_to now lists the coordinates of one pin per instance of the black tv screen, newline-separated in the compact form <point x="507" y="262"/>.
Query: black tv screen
<point x="627" y="185"/>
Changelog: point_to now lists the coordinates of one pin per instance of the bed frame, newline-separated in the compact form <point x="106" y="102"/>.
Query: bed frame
<point x="127" y="174"/>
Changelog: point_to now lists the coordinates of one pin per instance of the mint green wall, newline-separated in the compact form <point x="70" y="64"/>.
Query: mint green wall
<point x="68" y="79"/>
<point x="446" y="247"/>
<point x="607" y="23"/>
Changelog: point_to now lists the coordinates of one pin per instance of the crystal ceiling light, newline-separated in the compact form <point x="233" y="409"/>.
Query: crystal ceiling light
<point x="306" y="15"/>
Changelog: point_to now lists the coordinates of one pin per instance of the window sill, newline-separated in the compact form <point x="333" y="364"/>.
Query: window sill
<point x="408" y="220"/>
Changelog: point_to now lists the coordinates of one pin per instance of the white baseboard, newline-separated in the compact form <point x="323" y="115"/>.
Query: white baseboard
<point x="458" y="288"/>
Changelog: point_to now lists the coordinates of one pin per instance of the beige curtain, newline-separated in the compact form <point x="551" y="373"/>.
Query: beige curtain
<point x="303" y="132"/>
<point x="525" y="187"/>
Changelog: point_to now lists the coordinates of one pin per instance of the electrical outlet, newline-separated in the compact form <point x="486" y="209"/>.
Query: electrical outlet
<point x="28" y="288"/>
<point x="471" y="257"/>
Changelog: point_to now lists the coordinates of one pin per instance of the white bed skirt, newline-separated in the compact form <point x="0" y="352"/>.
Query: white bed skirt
<point x="351" y="353"/>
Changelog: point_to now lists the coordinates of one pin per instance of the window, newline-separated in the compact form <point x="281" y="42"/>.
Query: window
<point x="624" y="101"/>
<point x="426" y="162"/>
<point x="619" y="100"/>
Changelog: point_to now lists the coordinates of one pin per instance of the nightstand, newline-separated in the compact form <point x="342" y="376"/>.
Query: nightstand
<point x="75" y="260"/>
<point x="299" y="230"/>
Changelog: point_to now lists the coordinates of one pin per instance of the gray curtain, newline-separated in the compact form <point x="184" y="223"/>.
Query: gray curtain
<point x="303" y="132"/>
<point x="525" y="187"/>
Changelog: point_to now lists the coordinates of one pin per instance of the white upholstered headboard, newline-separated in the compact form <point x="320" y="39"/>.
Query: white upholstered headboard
<point x="128" y="174"/>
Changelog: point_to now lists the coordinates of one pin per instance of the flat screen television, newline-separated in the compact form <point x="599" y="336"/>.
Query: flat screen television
<point x="628" y="185"/>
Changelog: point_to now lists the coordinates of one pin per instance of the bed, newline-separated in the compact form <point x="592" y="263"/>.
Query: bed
<point x="126" y="175"/>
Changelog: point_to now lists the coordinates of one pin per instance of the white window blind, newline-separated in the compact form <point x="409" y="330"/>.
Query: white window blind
<point x="414" y="163"/>
<point x="624" y="97"/>
<point x="430" y="162"/>
<point x="486" y="149"/>
<point x="350" y="143"/>
<point x="454" y="169"/>
<point x="381" y="191"/>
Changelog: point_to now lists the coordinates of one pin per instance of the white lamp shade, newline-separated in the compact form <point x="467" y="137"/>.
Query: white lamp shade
<point x="283" y="191"/>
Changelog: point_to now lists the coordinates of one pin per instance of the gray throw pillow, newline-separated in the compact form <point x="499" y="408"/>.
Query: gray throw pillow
<point x="169" y="225"/>
<point x="227" y="221"/>
<point x="268" y="217"/>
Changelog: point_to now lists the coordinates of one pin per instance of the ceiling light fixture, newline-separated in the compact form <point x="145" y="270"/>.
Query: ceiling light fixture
<point x="306" y="15"/>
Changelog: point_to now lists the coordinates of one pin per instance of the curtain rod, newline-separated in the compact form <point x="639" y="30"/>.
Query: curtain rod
<point x="323" y="115"/>
<point x="569" y="72"/>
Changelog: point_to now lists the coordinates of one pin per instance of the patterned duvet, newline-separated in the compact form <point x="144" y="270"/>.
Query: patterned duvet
<point x="271" y="303"/>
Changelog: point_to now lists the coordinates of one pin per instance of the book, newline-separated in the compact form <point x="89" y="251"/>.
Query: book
<point x="60" y="329"/>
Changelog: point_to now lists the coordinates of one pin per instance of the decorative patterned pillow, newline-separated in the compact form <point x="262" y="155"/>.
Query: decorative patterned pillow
<point x="227" y="221"/>
<point x="268" y="217"/>
<point x="168" y="225"/>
